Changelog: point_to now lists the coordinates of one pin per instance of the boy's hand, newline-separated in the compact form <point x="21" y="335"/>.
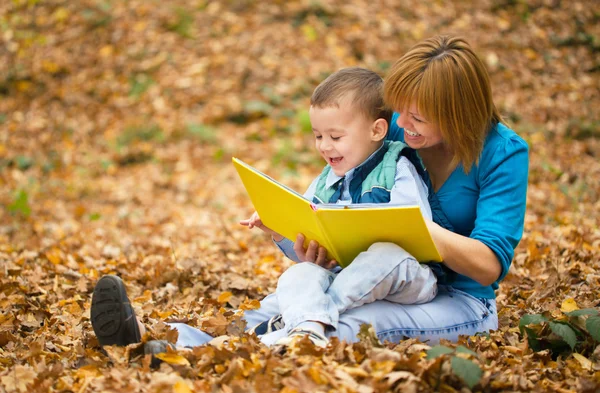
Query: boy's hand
<point x="314" y="253"/>
<point x="255" y="221"/>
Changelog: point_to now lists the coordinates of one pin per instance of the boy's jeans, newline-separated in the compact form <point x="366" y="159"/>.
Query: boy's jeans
<point x="308" y="292"/>
<point x="450" y="314"/>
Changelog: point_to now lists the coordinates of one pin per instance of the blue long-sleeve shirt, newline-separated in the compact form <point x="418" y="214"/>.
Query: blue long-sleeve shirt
<point x="489" y="203"/>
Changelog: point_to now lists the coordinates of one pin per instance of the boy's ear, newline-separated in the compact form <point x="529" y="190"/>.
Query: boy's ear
<point x="379" y="130"/>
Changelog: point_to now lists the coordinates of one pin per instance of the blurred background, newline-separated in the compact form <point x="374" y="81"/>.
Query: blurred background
<point x="124" y="114"/>
<point x="118" y="121"/>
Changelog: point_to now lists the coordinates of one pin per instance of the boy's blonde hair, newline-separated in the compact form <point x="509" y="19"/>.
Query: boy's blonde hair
<point x="365" y="86"/>
<point x="451" y="88"/>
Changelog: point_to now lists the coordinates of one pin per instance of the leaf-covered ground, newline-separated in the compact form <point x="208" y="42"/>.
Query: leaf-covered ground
<point x="118" y="120"/>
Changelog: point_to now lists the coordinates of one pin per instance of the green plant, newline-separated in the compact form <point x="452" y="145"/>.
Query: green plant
<point x="138" y="84"/>
<point x="183" y="23"/>
<point x="575" y="329"/>
<point x="20" y="204"/>
<point x="461" y="366"/>
<point x="146" y="133"/>
<point x="203" y="133"/>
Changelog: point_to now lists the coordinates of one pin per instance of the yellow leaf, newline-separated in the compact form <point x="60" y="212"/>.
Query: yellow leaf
<point x="569" y="305"/>
<point x="316" y="376"/>
<point x="224" y="297"/>
<point x="585" y="362"/>
<point x="309" y="32"/>
<point x="61" y="14"/>
<point x="173" y="358"/>
<point x="249" y="304"/>
<point x="23" y="86"/>
<point x="220" y="369"/>
<point x="50" y="67"/>
<point x="54" y="256"/>
<point x="106" y="51"/>
<point x="181" y="387"/>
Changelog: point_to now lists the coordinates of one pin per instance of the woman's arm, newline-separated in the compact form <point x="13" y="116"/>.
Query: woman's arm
<point x="466" y="256"/>
<point x="486" y="254"/>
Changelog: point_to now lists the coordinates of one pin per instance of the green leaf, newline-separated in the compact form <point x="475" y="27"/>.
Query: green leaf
<point x="20" y="204"/>
<point x="438" y="350"/>
<point x="565" y="332"/>
<point x="259" y="108"/>
<point x="202" y="132"/>
<point x="467" y="371"/>
<point x="528" y="319"/>
<point x="584" y="311"/>
<point x="593" y="327"/>
<point x="532" y="340"/>
<point x="23" y="162"/>
<point x="94" y="216"/>
<point x="304" y="121"/>
<point x="462" y="349"/>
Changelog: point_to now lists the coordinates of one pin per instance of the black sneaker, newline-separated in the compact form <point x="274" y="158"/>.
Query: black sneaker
<point x="270" y="326"/>
<point x="113" y="318"/>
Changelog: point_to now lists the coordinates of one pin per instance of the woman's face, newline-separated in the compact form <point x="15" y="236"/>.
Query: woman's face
<point x="419" y="133"/>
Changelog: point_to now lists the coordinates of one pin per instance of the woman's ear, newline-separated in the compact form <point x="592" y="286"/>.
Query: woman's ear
<point x="379" y="130"/>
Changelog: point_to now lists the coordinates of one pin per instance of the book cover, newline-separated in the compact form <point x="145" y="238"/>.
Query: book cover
<point x="344" y="230"/>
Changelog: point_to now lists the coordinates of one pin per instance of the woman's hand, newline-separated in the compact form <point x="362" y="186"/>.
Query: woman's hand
<point x="255" y="221"/>
<point x="314" y="253"/>
<point x="465" y="256"/>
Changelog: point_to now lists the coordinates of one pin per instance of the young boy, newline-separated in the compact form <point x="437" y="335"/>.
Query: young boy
<point x="350" y="123"/>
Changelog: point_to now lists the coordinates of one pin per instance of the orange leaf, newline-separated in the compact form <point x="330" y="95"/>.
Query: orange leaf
<point x="224" y="297"/>
<point x="181" y="387"/>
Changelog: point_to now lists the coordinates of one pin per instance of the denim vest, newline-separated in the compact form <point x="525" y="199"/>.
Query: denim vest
<point x="371" y="182"/>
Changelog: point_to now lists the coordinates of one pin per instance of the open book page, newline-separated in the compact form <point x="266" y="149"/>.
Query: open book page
<point x="279" y="207"/>
<point x="354" y="230"/>
<point x="344" y="230"/>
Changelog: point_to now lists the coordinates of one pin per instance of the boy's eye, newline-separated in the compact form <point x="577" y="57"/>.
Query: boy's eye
<point x="335" y="138"/>
<point x="318" y="137"/>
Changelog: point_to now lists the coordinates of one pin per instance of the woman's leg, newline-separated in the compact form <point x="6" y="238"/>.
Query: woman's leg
<point x="384" y="271"/>
<point x="191" y="337"/>
<point x="450" y="314"/>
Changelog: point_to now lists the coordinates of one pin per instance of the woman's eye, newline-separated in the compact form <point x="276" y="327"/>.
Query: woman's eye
<point x="417" y="120"/>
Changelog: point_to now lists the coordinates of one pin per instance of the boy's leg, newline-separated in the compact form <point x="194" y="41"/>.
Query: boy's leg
<point x="301" y="293"/>
<point x="384" y="271"/>
<point x="450" y="314"/>
<point x="269" y="307"/>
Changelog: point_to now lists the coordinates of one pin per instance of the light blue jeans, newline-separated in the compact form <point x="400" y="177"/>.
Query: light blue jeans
<point x="309" y="292"/>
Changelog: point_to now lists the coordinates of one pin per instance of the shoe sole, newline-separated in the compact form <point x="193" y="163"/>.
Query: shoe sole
<point x="112" y="316"/>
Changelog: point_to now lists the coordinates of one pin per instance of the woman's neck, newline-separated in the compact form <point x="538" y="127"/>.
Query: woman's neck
<point x="438" y="163"/>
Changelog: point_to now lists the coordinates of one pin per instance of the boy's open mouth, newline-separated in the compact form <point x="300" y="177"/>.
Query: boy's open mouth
<point x="335" y="160"/>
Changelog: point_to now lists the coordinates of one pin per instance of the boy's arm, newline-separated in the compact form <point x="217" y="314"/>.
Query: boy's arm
<point x="409" y="188"/>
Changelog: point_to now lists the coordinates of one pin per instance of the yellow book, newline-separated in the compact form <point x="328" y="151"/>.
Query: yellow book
<point x="344" y="230"/>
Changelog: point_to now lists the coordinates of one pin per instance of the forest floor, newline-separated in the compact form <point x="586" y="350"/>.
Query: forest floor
<point x="118" y="121"/>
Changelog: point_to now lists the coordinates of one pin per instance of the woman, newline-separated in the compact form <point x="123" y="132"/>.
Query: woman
<point x="476" y="170"/>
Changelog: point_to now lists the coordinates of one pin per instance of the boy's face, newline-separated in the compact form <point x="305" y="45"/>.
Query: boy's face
<point x="343" y="136"/>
